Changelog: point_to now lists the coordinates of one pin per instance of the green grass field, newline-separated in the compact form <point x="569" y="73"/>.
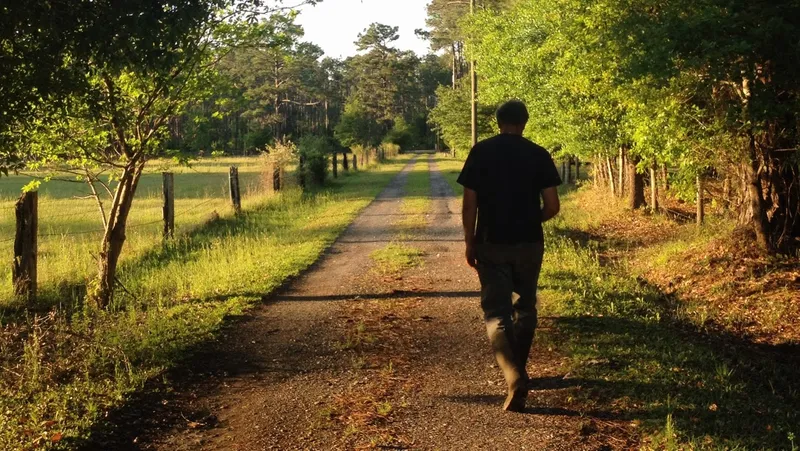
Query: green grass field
<point x="62" y="371"/>
<point x="70" y="227"/>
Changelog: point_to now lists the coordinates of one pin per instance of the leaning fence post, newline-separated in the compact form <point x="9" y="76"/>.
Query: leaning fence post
<point x="236" y="198"/>
<point x="168" y="188"/>
<point x="25" y="246"/>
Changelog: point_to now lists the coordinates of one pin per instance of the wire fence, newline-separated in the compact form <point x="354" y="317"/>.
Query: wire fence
<point x="179" y="214"/>
<point x="22" y="222"/>
<point x="58" y="217"/>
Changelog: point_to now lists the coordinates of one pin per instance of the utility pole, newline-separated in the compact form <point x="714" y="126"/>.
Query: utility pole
<point x="474" y="78"/>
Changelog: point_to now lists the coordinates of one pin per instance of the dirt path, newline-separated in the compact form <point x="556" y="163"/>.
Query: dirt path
<point x="347" y="358"/>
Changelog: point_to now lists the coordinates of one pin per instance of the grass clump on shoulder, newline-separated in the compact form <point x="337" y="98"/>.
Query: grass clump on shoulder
<point x="396" y="257"/>
<point x="417" y="201"/>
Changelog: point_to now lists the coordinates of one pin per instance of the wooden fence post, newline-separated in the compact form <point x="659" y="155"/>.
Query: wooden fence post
<point x="236" y="198"/>
<point x="335" y="165"/>
<point x="25" y="247"/>
<point x="345" y="166"/>
<point x="277" y="176"/>
<point x="577" y="169"/>
<point x="355" y="162"/>
<point x="168" y="189"/>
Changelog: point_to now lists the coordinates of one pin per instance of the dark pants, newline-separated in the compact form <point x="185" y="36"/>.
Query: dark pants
<point x="511" y="324"/>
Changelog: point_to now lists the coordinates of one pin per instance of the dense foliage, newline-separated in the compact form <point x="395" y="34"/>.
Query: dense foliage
<point x="647" y="80"/>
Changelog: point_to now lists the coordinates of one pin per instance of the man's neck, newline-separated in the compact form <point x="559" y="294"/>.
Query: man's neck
<point x="512" y="130"/>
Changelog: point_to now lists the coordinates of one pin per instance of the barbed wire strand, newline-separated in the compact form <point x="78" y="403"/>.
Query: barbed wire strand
<point x="131" y="226"/>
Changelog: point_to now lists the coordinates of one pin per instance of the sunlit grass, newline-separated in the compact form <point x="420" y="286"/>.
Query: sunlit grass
<point x="450" y="168"/>
<point x="396" y="257"/>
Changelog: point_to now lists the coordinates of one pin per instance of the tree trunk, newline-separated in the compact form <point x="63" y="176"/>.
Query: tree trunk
<point x="756" y="198"/>
<point x="726" y="193"/>
<point x="455" y="68"/>
<point x="597" y="171"/>
<point x="611" y="176"/>
<point x="114" y="237"/>
<point x="653" y="189"/>
<point x="701" y="204"/>
<point x="569" y="170"/>
<point x="636" y="185"/>
<point x="621" y="167"/>
<point x="327" y="120"/>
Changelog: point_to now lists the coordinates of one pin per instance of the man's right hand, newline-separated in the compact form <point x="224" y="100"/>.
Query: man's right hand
<point x="472" y="259"/>
<point x="552" y="204"/>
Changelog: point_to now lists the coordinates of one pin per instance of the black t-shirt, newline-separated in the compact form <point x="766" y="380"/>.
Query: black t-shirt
<point x="509" y="173"/>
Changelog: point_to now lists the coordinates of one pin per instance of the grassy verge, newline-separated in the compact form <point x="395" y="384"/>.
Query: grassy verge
<point x="398" y="256"/>
<point x="450" y="168"/>
<point x="62" y="372"/>
<point x="640" y="358"/>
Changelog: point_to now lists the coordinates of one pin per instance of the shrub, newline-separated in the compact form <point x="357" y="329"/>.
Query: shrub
<point x="315" y="151"/>
<point x="389" y="150"/>
<point x="400" y="134"/>
<point x="277" y="157"/>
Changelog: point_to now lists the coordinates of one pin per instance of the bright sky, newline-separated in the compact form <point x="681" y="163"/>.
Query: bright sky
<point x="335" y="24"/>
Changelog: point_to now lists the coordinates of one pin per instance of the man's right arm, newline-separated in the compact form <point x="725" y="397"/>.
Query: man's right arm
<point x="551" y="203"/>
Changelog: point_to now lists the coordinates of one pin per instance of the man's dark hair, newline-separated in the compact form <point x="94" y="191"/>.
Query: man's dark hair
<point x="512" y="112"/>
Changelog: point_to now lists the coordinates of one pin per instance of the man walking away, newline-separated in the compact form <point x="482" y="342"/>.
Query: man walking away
<point x="505" y="180"/>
